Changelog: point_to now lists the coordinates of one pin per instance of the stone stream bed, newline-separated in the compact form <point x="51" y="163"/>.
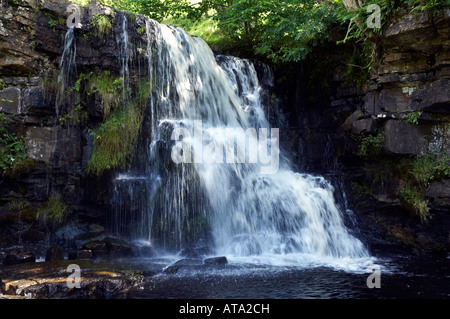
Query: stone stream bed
<point x="85" y="275"/>
<point x="49" y="280"/>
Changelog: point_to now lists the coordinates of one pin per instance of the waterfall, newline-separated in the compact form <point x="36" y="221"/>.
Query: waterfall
<point x="124" y="55"/>
<point x="67" y="69"/>
<point x="67" y="73"/>
<point x="215" y="173"/>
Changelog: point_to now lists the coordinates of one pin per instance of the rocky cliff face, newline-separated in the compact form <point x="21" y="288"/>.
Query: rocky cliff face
<point x="407" y="99"/>
<point x="389" y="137"/>
<point x="55" y="123"/>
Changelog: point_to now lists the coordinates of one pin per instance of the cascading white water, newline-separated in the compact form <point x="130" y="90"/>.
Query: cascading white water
<point x="243" y="192"/>
<point x="124" y="55"/>
<point x="282" y="213"/>
<point x="67" y="68"/>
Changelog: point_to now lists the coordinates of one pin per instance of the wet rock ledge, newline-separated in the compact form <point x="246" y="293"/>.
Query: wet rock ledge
<point x="48" y="280"/>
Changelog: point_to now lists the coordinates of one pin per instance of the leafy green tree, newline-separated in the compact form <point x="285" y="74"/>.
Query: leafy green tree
<point x="277" y="30"/>
<point x="156" y="9"/>
<point x="283" y="32"/>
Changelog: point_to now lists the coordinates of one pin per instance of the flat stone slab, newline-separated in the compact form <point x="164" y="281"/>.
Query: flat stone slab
<point x="52" y="280"/>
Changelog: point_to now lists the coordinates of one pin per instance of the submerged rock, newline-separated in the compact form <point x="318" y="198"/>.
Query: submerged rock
<point x="183" y="263"/>
<point x="216" y="261"/>
<point x="142" y="248"/>
<point x="118" y="248"/>
<point x="189" y="264"/>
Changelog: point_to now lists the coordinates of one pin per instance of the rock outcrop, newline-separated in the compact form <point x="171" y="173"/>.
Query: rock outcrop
<point x="50" y="281"/>
<point x="407" y="98"/>
<point x="376" y="138"/>
<point x="53" y="116"/>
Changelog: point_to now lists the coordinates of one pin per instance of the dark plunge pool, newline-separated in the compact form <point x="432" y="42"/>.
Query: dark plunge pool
<point x="400" y="277"/>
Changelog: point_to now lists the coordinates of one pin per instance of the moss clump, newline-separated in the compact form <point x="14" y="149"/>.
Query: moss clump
<point x="115" y="139"/>
<point x="49" y="83"/>
<point x="29" y="214"/>
<point x="109" y="88"/>
<point x="413" y="117"/>
<point x="53" y="211"/>
<point x="103" y="25"/>
<point x="415" y="201"/>
<point x="103" y="83"/>
<point x="123" y="111"/>
<point x="362" y="188"/>
<point x="18" y="204"/>
<point x="369" y="144"/>
<point x="361" y="64"/>
<point x="13" y="156"/>
<point x="416" y="174"/>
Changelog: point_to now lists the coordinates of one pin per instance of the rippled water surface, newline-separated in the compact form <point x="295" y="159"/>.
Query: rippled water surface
<point x="401" y="277"/>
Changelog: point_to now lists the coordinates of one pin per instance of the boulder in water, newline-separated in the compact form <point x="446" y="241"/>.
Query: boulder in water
<point x="216" y="261"/>
<point x="142" y="248"/>
<point x="118" y="248"/>
<point x="187" y="263"/>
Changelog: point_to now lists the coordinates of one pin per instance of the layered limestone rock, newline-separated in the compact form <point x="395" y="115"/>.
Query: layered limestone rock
<point x="407" y="98"/>
<point x="380" y="136"/>
<point x="53" y="116"/>
<point x="50" y="280"/>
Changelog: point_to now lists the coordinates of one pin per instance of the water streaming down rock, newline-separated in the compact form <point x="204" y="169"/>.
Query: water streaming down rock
<point x="210" y="198"/>
<point x="64" y="101"/>
<point x="124" y="55"/>
<point x="67" y="69"/>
